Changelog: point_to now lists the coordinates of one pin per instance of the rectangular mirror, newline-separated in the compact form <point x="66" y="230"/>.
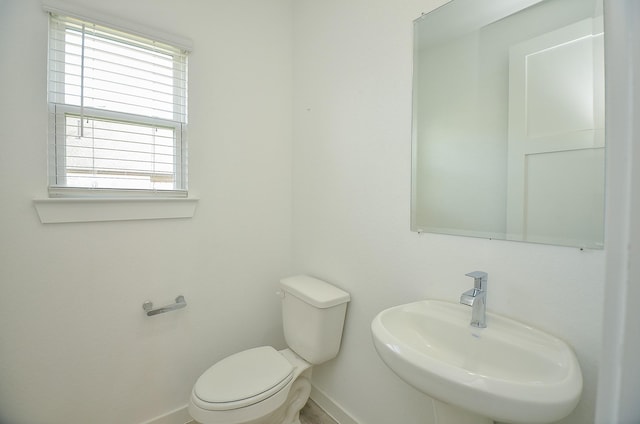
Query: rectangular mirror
<point x="508" y="121"/>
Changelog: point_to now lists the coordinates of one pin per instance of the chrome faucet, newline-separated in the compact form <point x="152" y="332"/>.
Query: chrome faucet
<point x="477" y="298"/>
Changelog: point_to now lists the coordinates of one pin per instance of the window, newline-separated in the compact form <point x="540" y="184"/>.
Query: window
<point x="117" y="112"/>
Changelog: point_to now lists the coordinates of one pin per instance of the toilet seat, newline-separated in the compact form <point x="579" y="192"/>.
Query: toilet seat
<point x="242" y="379"/>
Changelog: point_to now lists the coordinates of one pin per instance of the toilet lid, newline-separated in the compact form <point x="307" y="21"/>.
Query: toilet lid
<point x="244" y="378"/>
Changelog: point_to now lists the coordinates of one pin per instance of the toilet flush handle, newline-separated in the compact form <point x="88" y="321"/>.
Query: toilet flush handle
<point x="280" y="294"/>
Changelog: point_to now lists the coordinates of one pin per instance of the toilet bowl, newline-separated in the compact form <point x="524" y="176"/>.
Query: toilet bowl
<point x="265" y="386"/>
<point x="256" y="386"/>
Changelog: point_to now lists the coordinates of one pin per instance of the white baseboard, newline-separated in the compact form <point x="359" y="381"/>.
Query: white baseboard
<point x="324" y="401"/>
<point x="177" y="416"/>
<point x="331" y="407"/>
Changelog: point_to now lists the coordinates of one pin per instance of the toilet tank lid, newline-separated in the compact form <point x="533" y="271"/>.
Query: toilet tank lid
<point x="314" y="291"/>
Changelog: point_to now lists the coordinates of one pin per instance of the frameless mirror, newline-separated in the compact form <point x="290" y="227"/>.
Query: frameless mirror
<point x="508" y="121"/>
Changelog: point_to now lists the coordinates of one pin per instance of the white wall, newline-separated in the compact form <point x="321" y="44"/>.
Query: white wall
<point x="619" y="377"/>
<point x="75" y="346"/>
<point x="352" y="129"/>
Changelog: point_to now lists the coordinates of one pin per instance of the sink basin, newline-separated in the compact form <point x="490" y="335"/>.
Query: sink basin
<point x="508" y="372"/>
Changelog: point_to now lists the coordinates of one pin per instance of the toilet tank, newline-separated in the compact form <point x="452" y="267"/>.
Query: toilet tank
<point x="313" y="313"/>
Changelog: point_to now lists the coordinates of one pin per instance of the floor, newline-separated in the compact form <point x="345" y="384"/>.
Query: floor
<point x="310" y="414"/>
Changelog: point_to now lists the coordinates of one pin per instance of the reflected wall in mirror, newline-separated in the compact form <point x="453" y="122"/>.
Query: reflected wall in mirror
<point x="508" y="121"/>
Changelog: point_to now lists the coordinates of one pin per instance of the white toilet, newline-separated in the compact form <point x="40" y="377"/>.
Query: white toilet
<point x="266" y="386"/>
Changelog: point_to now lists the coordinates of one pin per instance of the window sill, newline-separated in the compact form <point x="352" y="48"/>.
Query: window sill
<point x="57" y="211"/>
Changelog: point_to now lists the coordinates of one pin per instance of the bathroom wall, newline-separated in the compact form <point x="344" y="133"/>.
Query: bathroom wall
<point x="351" y="173"/>
<point x="75" y="346"/>
<point x="619" y="376"/>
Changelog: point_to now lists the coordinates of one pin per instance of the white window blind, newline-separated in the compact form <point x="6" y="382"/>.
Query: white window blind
<point x="118" y="112"/>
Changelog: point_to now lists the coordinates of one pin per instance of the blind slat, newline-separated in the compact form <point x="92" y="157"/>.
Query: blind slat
<point x="137" y="109"/>
<point x="168" y="64"/>
<point x="75" y="87"/>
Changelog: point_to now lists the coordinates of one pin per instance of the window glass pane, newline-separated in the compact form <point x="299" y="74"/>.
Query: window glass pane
<point x="112" y="154"/>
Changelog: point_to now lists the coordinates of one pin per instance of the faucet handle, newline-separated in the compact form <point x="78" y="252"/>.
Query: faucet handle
<point x="479" y="279"/>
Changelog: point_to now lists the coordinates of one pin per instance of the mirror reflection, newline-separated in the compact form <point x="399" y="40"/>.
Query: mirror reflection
<point x="508" y="121"/>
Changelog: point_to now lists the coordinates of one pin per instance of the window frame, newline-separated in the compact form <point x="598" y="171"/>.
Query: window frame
<point x="58" y="112"/>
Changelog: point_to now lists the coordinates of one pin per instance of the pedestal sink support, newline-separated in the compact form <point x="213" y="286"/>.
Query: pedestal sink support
<point x="448" y="414"/>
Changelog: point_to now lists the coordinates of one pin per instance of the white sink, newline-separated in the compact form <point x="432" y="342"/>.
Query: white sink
<point x="508" y="372"/>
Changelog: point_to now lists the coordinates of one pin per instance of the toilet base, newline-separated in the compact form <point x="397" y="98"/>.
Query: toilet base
<point x="289" y="412"/>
